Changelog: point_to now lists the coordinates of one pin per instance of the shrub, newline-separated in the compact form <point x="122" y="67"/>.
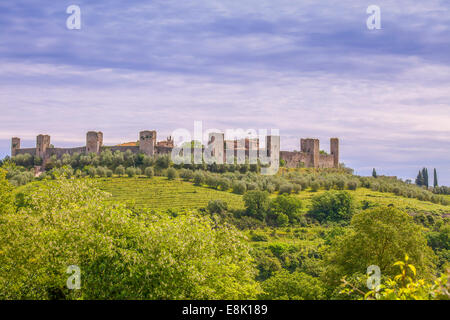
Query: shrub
<point x="286" y="188"/>
<point x="297" y="188"/>
<point x="224" y="184"/>
<point x="138" y="171"/>
<point x="101" y="172"/>
<point x="217" y="206"/>
<point x="352" y="185"/>
<point x="199" y="178"/>
<point x="186" y="174"/>
<point x="109" y="173"/>
<point x="131" y="172"/>
<point x="239" y="187"/>
<point x="149" y="172"/>
<point x="172" y="174"/>
<point x="92" y="172"/>
<point x="282" y="220"/>
<point x="315" y="186"/>
<point x="120" y="171"/>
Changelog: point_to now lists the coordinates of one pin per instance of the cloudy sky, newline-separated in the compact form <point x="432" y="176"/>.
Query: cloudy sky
<point x="307" y="68"/>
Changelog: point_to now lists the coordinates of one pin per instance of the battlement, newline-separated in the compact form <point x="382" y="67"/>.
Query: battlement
<point x="309" y="156"/>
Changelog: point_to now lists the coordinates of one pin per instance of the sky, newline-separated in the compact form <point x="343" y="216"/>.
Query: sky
<point x="307" y="68"/>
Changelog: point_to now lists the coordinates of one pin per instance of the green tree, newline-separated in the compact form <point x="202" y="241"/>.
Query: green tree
<point x="374" y="173"/>
<point x="332" y="206"/>
<point x="379" y="236"/>
<point x="288" y="205"/>
<point x="425" y="177"/>
<point x="435" y="180"/>
<point x="257" y="203"/>
<point x="121" y="255"/>
<point x="419" y="180"/>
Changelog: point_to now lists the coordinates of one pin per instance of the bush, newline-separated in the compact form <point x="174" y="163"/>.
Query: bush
<point x="138" y="171"/>
<point x="212" y="181"/>
<point x="239" y="187"/>
<point x="101" y="172"/>
<point x="172" y="174"/>
<point x="217" y="206"/>
<point x="297" y="188"/>
<point x="109" y="173"/>
<point x="282" y="220"/>
<point x="199" y="178"/>
<point x="131" y="172"/>
<point x="186" y="174"/>
<point x="286" y="188"/>
<point x="149" y="172"/>
<point x="120" y="171"/>
<point x="315" y="186"/>
<point x="224" y="184"/>
<point x="92" y="172"/>
<point x="352" y="185"/>
<point x="332" y="206"/>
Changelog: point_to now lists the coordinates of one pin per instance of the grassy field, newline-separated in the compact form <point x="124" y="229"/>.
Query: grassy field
<point x="159" y="193"/>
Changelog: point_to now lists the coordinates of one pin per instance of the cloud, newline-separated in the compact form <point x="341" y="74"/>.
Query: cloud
<point x="309" y="69"/>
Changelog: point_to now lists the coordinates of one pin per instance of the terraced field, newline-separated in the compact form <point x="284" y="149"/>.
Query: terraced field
<point x="159" y="193"/>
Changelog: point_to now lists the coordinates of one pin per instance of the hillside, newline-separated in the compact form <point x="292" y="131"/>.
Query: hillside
<point x="159" y="193"/>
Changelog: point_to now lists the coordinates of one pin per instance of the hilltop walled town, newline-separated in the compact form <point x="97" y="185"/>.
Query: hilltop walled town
<point x="309" y="156"/>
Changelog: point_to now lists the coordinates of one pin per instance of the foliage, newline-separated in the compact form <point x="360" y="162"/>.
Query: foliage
<point x="6" y="194"/>
<point x="284" y="285"/>
<point x="378" y="236"/>
<point x="257" y="203"/>
<point x="121" y="255"/>
<point x="332" y="206"/>
<point x="288" y="206"/>
<point x="406" y="286"/>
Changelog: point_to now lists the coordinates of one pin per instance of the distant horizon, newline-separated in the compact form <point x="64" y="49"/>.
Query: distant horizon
<point x="311" y="69"/>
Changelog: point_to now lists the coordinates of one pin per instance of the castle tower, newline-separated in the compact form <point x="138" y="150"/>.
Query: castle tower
<point x="94" y="141"/>
<point x="214" y="152"/>
<point x="15" y="145"/>
<point x="270" y="156"/>
<point x="42" y="143"/>
<point x="334" y="149"/>
<point x="147" y="142"/>
<point x="311" y="147"/>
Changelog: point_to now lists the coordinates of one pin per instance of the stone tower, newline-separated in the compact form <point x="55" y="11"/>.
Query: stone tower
<point x="147" y="142"/>
<point x="311" y="147"/>
<point x="94" y="142"/>
<point x="215" y="149"/>
<point x="15" y="145"/>
<point x="334" y="149"/>
<point x="42" y="143"/>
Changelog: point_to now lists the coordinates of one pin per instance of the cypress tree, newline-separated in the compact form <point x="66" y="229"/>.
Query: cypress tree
<point x="419" y="179"/>
<point x="374" y="173"/>
<point x="435" y="182"/>
<point x="425" y="177"/>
